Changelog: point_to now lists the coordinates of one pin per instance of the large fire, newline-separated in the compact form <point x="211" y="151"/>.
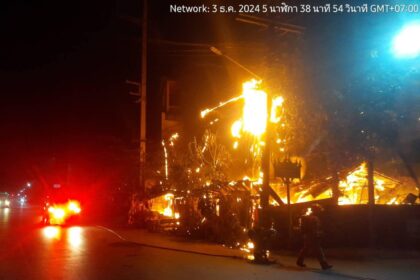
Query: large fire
<point x="355" y="191"/>
<point x="353" y="188"/>
<point x="171" y="141"/>
<point x="254" y="116"/>
<point x="253" y="123"/>
<point x="164" y="205"/>
<point x="253" y="120"/>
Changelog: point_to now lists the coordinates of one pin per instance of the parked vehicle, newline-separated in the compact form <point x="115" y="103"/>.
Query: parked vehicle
<point x="4" y="200"/>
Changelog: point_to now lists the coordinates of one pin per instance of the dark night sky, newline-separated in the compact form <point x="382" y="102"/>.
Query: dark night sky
<point x="63" y="65"/>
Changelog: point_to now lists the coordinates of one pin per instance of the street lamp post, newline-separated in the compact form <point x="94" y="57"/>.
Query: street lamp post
<point x="218" y="52"/>
<point x="266" y="158"/>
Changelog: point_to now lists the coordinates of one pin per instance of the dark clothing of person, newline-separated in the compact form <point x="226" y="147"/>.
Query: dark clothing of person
<point x="311" y="242"/>
<point x="310" y="228"/>
<point x="310" y="225"/>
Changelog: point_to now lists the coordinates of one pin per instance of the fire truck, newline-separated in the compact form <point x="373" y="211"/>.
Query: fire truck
<point x="60" y="207"/>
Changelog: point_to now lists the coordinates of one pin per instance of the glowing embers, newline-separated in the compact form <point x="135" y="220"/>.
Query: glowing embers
<point x="171" y="142"/>
<point x="205" y="112"/>
<point x="164" y="205"/>
<point x="168" y="212"/>
<point x="276" y="109"/>
<point x="248" y="248"/>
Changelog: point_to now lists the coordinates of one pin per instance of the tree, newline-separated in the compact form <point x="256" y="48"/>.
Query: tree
<point x="211" y="158"/>
<point x="198" y="163"/>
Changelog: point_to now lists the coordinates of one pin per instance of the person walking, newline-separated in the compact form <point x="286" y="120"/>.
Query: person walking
<point x="310" y="227"/>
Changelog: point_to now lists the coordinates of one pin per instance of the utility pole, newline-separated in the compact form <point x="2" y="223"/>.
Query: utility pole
<point x="266" y="157"/>
<point x="371" y="199"/>
<point x="272" y="28"/>
<point x="143" y="99"/>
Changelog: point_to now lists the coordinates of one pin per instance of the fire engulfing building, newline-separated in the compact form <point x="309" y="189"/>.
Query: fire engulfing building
<point x="221" y="212"/>
<point x="225" y="212"/>
<point x="166" y="208"/>
<point x="353" y="189"/>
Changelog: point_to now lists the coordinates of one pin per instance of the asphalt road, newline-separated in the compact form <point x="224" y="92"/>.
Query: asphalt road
<point x="30" y="251"/>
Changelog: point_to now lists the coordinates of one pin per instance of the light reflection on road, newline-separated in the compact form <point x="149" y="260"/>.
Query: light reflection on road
<point x="52" y="232"/>
<point x="65" y="250"/>
<point x="49" y="252"/>
<point x="72" y="235"/>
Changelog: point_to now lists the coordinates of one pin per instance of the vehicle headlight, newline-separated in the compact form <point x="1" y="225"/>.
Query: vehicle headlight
<point x="7" y="203"/>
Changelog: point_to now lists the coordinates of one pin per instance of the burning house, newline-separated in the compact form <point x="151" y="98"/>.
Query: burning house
<point x="353" y="189"/>
<point x="198" y="204"/>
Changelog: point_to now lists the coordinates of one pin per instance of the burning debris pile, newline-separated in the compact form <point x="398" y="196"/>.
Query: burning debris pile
<point x="219" y="212"/>
<point x="353" y="189"/>
<point x="155" y="213"/>
<point x="387" y="190"/>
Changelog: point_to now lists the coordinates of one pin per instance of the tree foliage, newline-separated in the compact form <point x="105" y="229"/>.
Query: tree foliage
<point x="198" y="163"/>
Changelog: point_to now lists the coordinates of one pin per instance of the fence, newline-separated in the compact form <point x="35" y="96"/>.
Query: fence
<point x="395" y="226"/>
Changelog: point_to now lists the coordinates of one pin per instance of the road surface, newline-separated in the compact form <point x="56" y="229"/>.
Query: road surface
<point x="30" y="251"/>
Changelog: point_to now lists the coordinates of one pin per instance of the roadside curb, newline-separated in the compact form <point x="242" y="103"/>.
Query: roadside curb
<point x="174" y="243"/>
<point x="143" y="238"/>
